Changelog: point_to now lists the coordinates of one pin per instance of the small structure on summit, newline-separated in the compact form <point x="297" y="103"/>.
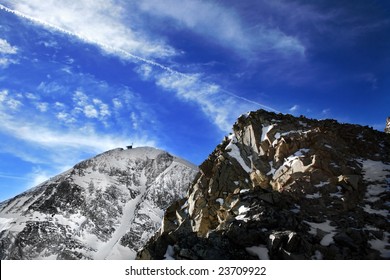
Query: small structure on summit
<point x="387" y="128"/>
<point x="130" y="147"/>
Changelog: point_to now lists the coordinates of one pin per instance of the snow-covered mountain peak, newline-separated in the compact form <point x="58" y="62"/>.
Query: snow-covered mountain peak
<point x="105" y="207"/>
<point x="133" y="153"/>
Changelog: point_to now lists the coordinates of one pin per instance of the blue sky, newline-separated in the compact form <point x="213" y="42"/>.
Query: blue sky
<point x="81" y="77"/>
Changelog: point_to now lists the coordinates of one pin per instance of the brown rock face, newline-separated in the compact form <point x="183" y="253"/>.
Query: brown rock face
<point x="292" y="188"/>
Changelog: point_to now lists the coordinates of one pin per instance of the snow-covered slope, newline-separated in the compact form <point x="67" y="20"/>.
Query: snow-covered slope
<point x="103" y="208"/>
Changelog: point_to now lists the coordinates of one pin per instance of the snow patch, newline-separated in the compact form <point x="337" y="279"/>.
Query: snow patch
<point x="337" y="194"/>
<point x="375" y="170"/>
<point x="303" y="123"/>
<point x="317" y="255"/>
<point x="243" y="209"/>
<point x="381" y="245"/>
<point x="272" y="171"/>
<point x="325" y="227"/>
<point x="265" y="131"/>
<point x="169" y="253"/>
<point x="378" y="174"/>
<point x="235" y="153"/>
<point x="242" y="213"/>
<point x="321" y="184"/>
<point x="260" y="251"/>
<point x="120" y="252"/>
<point x="221" y="201"/>
<point x="5" y="223"/>
<point x="314" y="195"/>
<point x="382" y="212"/>
<point x="376" y="190"/>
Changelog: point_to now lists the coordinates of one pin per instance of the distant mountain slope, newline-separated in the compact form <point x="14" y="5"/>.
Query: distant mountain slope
<point x="282" y="187"/>
<point x="103" y="208"/>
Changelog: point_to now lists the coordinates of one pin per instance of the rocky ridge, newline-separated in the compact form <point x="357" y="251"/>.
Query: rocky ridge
<point x="105" y="207"/>
<point x="387" y="128"/>
<point x="281" y="187"/>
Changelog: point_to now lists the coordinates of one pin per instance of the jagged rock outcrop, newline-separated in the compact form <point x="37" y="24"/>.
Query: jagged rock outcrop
<point x="282" y="187"/>
<point x="387" y="128"/>
<point x="106" y="207"/>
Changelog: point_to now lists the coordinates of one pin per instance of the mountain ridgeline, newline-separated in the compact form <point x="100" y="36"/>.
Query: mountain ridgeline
<point x="281" y="187"/>
<point x="106" y="207"/>
<point x="278" y="187"/>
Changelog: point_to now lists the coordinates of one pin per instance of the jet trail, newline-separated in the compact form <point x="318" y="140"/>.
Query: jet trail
<point x="249" y="101"/>
<point x="87" y="40"/>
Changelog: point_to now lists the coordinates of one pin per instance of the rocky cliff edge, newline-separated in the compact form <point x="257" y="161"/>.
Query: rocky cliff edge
<point x="281" y="187"/>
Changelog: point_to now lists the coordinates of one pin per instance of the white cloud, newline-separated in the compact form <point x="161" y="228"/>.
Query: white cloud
<point x="104" y="110"/>
<point x="144" y="70"/>
<point x="6" y="48"/>
<point x="117" y="103"/>
<point x="80" y="98"/>
<point x="91" y="107"/>
<point x="32" y="96"/>
<point x="59" y="105"/>
<point x="6" y="53"/>
<point x="134" y="120"/>
<point x="5" y="61"/>
<point x="3" y="95"/>
<point x="14" y="104"/>
<point x="90" y="111"/>
<point x="50" y="87"/>
<point x="42" y="106"/>
<point x="9" y="102"/>
<point x="39" y="175"/>
<point x="294" y="108"/>
<point x="65" y="118"/>
<point x="49" y="44"/>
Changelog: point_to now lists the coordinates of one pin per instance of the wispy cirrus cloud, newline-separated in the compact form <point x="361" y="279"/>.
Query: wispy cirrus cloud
<point x="67" y="124"/>
<point x="99" y="21"/>
<point x="60" y="142"/>
<point x="219" y="107"/>
<point x="294" y="108"/>
<point x="219" y="23"/>
<point x="50" y="137"/>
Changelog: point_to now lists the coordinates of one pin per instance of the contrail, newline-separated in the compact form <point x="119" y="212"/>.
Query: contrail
<point x="249" y="101"/>
<point x="121" y="51"/>
<point x="87" y="40"/>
